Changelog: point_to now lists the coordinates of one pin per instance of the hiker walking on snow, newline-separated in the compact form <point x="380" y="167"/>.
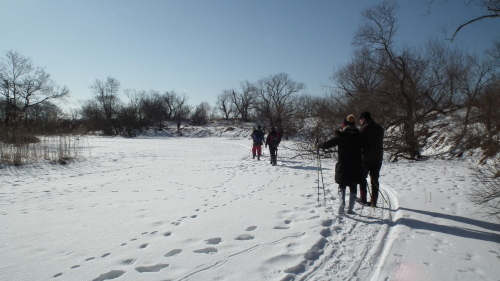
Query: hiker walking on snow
<point x="349" y="168"/>
<point x="258" y="139"/>
<point x="372" y="160"/>
<point x="273" y="140"/>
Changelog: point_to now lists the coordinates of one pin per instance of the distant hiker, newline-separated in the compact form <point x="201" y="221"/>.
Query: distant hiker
<point x="349" y="168"/>
<point x="372" y="161"/>
<point x="258" y="140"/>
<point x="273" y="140"/>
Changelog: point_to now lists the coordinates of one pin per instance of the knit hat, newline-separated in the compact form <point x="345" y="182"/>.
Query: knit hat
<point x="349" y="120"/>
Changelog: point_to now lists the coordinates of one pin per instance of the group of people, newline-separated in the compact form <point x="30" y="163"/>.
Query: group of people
<point x="273" y="140"/>
<point x="360" y="152"/>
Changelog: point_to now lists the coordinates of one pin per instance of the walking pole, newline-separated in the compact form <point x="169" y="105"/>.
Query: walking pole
<point x="320" y="170"/>
<point x="317" y="169"/>
<point x="322" y="179"/>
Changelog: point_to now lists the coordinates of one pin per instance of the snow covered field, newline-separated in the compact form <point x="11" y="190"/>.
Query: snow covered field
<point x="201" y="209"/>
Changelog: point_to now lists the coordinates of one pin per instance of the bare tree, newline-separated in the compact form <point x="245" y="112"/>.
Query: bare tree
<point x="93" y="115"/>
<point x="105" y="93"/>
<point x="244" y="100"/>
<point x="201" y="114"/>
<point x="180" y="109"/>
<point x="275" y="98"/>
<point x="487" y="192"/>
<point x="401" y="78"/>
<point x="492" y="10"/>
<point x="23" y="86"/>
<point x="224" y="103"/>
<point x="152" y="103"/>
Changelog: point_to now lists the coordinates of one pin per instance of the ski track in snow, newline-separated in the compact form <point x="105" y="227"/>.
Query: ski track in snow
<point x="216" y="224"/>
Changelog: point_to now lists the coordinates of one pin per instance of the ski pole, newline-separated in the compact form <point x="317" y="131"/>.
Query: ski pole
<point x="321" y="172"/>
<point x="317" y="169"/>
<point x="380" y="192"/>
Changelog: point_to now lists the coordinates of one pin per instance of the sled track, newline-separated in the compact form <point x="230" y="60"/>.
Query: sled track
<point x="358" y="244"/>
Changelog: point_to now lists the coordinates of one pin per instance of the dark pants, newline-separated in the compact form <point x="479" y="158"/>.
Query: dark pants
<point x="274" y="153"/>
<point x="353" y="188"/>
<point x="372" y="168"/>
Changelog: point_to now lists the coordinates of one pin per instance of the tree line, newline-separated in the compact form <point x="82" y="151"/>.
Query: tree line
<point x="405" y="88"/>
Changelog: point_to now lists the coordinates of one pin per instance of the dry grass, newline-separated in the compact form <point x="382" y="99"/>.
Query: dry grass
<point x="55" y="149"/>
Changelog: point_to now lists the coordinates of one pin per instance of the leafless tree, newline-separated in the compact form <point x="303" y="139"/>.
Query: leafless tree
<point x="201" y="114"/>
<point x="23" y="86"/>
<point x="244" y="101"/>
<point x="402" y="79"/>
<point x="492" y="10"/>
<point x="275" y="98"/>
<point x="152" y="103"/>
<point x="487" y="192"/>
<point x="45" y="118"/>
<point x="224" y="104"/>
<point x="93" y="115"/>
<point x="180" y="110"/>
<point x="105" y="93"/>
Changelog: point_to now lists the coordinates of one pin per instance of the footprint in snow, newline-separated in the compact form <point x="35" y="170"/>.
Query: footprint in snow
<point x="251" y="228"/>
<point x="152" y="268"/>
<point x="213" y="241"/>
<point x="173" y="253"/>
<point x="128" y="261"/>
<point x="244" y="237"/>
<point x="209" y="250"/>
<point x="113" y="274"/>
<point x="281" y="227"/>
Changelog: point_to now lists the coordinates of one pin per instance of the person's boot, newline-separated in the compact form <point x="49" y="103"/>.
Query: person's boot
<point x="362" y="195"/>
<point x="373" y="202"/>
<point x="258" y="157"/>
<point x="352" y="200"/>
<point x="342" y="201"/>
<point x="253" y="156"/>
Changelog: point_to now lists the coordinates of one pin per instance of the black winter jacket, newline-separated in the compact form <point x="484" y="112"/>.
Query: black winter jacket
<point x="374" y="134"/>
<point x="273" y="139"/>
<point x="351" y="145"/>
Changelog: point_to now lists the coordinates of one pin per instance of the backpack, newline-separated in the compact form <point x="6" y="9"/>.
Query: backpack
<point x="275" y="139"/>
<point x="258" y="136"/>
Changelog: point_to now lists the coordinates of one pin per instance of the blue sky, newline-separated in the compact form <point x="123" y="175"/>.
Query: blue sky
<point x="201" y="47"/>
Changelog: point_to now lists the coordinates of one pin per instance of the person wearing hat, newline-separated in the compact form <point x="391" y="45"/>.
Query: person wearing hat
<point x="372" y="161"/>
<point x="349" y="167"/>
<point x="258" y="139"/>
<point x="273" y="140"/>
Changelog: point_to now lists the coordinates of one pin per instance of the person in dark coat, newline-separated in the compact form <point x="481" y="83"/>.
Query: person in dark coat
<point x="372" y="161"/>
<point x="258" y="140"/>
<point x="349" y="168"/>
<point x="273" y="140"/>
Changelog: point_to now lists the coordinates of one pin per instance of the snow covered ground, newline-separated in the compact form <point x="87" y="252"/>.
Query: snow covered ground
<point x="169" y="208"/>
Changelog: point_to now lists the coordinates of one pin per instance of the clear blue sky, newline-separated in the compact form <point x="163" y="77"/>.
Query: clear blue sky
<point x="201" y="47"/>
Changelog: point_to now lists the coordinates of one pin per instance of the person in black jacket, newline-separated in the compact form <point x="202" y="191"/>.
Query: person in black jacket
<point x="273" y="140"/>
<point x="349" y="168"/>
<point x="372" y="161"/>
